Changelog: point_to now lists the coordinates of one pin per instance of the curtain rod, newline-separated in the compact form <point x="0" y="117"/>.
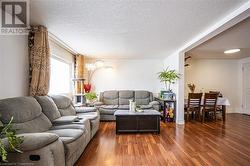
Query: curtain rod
<point x="61" y="43"/>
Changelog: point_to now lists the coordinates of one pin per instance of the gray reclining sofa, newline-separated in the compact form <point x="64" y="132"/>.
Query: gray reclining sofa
<point x="111" y="101"/>
<point x="54" y="132"/>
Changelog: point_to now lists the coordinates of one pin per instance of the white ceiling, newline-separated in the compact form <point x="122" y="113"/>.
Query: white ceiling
<point x="129" y="28"/>
<point x="237" y="36"/>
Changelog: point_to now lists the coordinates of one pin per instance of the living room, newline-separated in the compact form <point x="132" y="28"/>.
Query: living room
<point x="84" y="82"/>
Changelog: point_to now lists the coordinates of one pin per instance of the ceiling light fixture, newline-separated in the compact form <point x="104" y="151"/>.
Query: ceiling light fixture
<point x="231" y="51"/>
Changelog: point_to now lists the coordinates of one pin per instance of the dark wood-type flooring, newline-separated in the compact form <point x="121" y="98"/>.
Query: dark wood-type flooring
<point x="210" y="143"/>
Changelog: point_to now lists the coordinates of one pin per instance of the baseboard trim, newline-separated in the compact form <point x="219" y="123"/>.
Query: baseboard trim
<point x="180" y="122"/>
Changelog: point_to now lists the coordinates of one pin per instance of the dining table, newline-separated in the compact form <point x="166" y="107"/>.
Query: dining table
<point x="221" y="101"/>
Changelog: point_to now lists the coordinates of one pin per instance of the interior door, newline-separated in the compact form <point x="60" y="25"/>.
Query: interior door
<point x="246" y="88"/>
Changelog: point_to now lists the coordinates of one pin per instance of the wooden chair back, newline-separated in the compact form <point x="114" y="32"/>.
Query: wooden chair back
<point x="210" y="100"/>
<point x="216" y="92"/>
<point x="194" y="100"/>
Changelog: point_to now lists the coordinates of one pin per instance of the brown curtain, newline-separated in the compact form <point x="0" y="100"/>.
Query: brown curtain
<point x="39" y="56"/>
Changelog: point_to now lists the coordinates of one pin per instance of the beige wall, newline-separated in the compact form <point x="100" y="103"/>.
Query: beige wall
<point x="129" y="74"/>
<point x="216" y="75"/>
<point x="14" y="65"/>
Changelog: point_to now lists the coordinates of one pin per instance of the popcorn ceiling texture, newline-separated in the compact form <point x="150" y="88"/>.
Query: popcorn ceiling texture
<point x="129" y="28"/>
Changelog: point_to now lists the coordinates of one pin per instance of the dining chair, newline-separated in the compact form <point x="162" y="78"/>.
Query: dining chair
<point x="219" y="94"/>
<point x="210" y="104"/>
<point x="194" y="104"/>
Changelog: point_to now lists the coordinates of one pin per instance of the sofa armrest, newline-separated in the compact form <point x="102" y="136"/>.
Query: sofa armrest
<point x="98" y="103"/>
<point x="33" y="141"/>
<point x="65" y="120"/>
<point x="68" y="126"/>
<point x="155" y="105"/>
<point x="85" y="109"/>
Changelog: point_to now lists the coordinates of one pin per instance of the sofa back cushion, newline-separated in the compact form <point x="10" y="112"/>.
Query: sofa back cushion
<point x="125" y="96"/>
<point x="27" y="114"/>
<point x="64" y="105"/>
<point x="143" y="97"/>
<point x="49" y="107"/>
<point x="110" y="97"/>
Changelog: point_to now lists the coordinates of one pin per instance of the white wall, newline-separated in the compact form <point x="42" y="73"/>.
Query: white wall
<point x="14" y="66"/>
<point x="176" y="62"/>
<point x="129" y="75"/>
<point x="216" y="75"/>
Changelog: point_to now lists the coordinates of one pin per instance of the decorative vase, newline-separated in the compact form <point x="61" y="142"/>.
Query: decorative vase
<point x="132" y="105"/>
<point x="87" y="88"/>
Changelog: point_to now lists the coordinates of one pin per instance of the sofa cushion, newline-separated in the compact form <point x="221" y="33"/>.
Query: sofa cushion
<point x="123" y="107"/>
<point x="110" y="97"/>
<point x="64" y="105"/>
<point x="49" y="107"/>
<point x="38" y="124"/>
<point x="108" y="107"/>
<point x="34" y="141"/>
<point x="143" y="97"/>
<point x="107" y="111"/>
<point x="67" y="135"/>
<point x="74" y="140"/>
<point x="26" y="112"/>
<point x="21" y="108"/>
<point x="125" y="96"/>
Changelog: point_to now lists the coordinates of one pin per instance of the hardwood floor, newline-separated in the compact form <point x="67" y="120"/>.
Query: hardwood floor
<point x="210" y="143"/>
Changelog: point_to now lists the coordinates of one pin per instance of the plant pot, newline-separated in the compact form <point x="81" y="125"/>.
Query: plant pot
<point x="87" y="88"/>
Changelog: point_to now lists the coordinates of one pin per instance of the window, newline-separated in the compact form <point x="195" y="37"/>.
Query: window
<point x="60" y="76"/>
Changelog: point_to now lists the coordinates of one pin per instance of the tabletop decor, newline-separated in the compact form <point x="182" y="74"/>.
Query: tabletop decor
<point x="132" y="105"/>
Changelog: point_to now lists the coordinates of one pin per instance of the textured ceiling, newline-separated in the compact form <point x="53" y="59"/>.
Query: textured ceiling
<point x="129" y="28"/>
<point x="237" y="36"/>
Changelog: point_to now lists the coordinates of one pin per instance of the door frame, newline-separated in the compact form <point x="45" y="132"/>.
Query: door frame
<point x="244" y="109"/>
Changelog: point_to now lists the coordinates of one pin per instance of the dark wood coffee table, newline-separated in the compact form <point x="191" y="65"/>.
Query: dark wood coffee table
<point x="147" y="121"/>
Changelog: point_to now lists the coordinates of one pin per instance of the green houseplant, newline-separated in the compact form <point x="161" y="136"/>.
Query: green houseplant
<point x="168" y="77"/>
<point x="8" y="132"/>
<point x="91" y="96"/>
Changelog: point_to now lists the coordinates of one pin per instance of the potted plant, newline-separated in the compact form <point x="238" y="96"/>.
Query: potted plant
<point x="8" y="133"/>
<point x="168" y="77"/>
<point x="91" y="97"/>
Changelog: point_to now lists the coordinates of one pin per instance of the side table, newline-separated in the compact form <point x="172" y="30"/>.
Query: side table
<point x="164" y="103"/>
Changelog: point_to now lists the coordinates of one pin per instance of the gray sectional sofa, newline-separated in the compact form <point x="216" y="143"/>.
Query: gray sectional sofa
<point x="111" y="101"/>
<point x="55" y="133"/>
